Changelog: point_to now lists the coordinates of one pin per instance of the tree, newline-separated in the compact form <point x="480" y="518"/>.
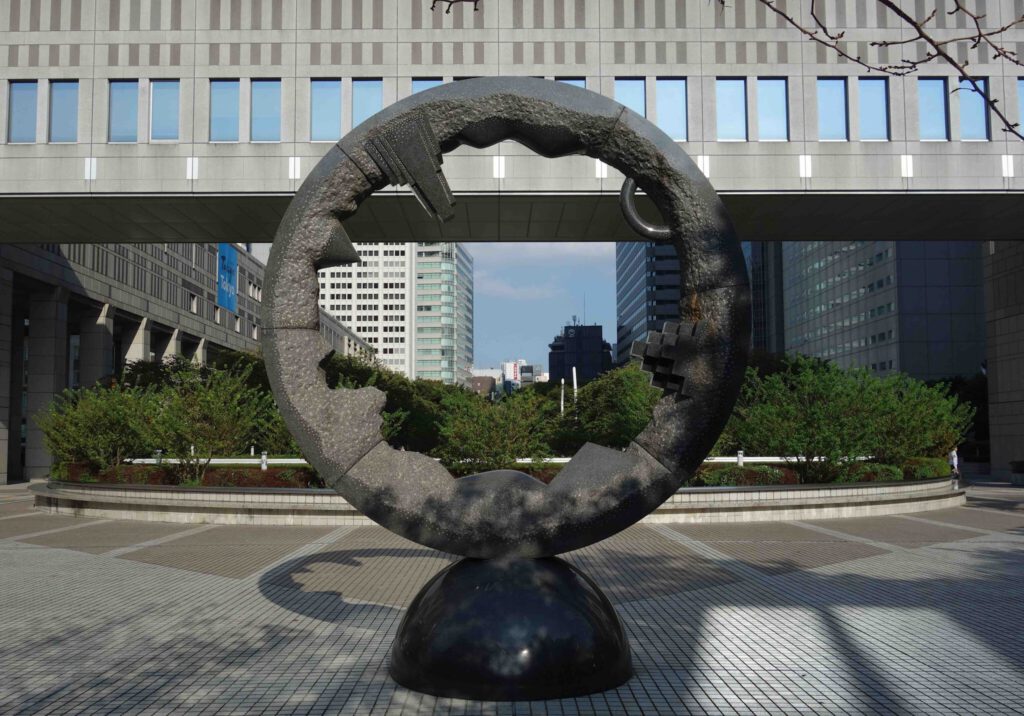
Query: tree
<point x="920" y="44"/>
<point x="477" y="435"/>
<point x="614" y="407"/>
<point x="199" y="417"/>
<point x="814" y="409"/>
<point x="99" y="428"/>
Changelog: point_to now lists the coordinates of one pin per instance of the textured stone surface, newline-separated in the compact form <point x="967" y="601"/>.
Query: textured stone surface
<point x="504" y="514"/>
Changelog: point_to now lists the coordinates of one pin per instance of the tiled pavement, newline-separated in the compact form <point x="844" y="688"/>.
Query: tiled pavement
<point x="919" y="614"/>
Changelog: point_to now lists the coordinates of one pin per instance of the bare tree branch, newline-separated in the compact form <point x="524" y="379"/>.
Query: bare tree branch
<point x="936" y="49"/>
<point x="452" y="2"/>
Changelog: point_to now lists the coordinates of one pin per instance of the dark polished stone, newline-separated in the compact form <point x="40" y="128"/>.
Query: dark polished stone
<point x="510" y="630"/>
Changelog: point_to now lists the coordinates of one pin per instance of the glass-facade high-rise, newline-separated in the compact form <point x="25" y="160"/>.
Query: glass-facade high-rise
<point x="444" y="312"/>
<point x="914" y="307"/>
<point x="646" y="291"/>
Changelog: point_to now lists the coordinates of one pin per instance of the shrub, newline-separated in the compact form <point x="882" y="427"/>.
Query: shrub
<point x="477" y="435"/>
<point x="815" y="409"/>
<point x="98" y="428"/>
<point x="736" y="476"/>
<point x="872" y="472"/>
<point x="202" y="414"/>
<point x="925" y="468"/>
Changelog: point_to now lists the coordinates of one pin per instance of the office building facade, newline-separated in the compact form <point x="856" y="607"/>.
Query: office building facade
<point x="911" y="307"/>
<point x="72" y="315"/>
<point x="155" y="120"/>
<point x="582" y="348"/>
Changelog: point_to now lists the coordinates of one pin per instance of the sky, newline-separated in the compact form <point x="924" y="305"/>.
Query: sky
<point x="526" y="293"/>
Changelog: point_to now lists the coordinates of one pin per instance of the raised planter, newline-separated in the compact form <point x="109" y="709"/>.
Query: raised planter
<point x="324" y="507"/>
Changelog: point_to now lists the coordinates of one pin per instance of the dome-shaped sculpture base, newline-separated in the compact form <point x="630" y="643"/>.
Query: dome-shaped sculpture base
<point x="510" y="630"/>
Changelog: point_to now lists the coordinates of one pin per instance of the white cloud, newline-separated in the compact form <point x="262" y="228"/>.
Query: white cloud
<point x="569" y="253"/>
<point x="486" y="283"/>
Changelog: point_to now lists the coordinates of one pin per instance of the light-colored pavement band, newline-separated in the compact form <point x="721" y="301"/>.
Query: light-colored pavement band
<point x="745" y="619"/>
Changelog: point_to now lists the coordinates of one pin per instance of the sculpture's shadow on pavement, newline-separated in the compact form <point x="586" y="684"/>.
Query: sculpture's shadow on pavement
<point x="342" y="585"/>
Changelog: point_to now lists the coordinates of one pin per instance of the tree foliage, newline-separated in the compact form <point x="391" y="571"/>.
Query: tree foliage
<point x="99" y="427"/>
<point x="814" y="409"/>
<point x="205" y="414"/>
<point x="477" y="435"/>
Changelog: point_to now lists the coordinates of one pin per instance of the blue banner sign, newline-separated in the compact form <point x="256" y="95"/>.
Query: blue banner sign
<point x="227" y="277"/>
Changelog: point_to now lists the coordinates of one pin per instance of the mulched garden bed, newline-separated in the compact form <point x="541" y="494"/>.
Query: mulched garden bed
<point x="216" y="476"/>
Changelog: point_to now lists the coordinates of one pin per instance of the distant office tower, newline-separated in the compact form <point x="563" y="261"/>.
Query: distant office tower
<point x="915" y="307"/>
<point x="647" y="293"/>
<point x="767" y="326"/>
<point x="375" y="299"/>
<point x="413" y="302"/>
<point x="582" y="347"/>
<point x="444" y="312"/>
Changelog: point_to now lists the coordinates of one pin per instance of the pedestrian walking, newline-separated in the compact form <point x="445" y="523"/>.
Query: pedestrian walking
<point x="954" y="467"/>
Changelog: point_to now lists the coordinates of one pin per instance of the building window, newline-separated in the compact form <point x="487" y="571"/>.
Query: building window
<point x="224" y="110"/>
<point x="21" y="112"/>
<point x="670" y="105"/>
<point x="238" y="324"/>
<point x="123" y="125"/>
<point x="731" y="109"/>
<point x="632" y="94"/>
<point x="874" y="108"/>
<point x="425" y="83"/>
<point x="772" y="110"/>
<point x="216" y="315"/>
<point x="933" y="109"/>
<point x="163" y="110"/>
<point x="265" y="117"/>
<point x="325" y="110"/>
<point x="580" y="82"/>
<point x="193" y="303"/>
<point x="973" y="111"/>
<point x="64" y="111"/>
<point x="833" y="121"/>
<point x="367" y="99"/>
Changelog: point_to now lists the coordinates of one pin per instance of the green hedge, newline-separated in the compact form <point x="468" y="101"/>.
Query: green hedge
<point x="925" y="468"/>
<point x="736" y="476"/>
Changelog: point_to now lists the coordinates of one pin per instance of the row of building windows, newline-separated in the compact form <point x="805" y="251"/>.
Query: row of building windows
<point x="732" y="120"/>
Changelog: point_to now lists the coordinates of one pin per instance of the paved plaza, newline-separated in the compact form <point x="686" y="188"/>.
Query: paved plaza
<point x="918" y="614"/>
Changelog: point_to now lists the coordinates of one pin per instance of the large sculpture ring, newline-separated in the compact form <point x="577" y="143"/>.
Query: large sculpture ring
<point x="698" y="361"/>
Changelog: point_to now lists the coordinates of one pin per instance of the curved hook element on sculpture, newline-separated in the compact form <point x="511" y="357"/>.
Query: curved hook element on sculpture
<point x="698" y="362"/>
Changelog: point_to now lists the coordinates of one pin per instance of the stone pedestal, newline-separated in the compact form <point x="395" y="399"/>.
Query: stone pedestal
<point x="510" y="630"/>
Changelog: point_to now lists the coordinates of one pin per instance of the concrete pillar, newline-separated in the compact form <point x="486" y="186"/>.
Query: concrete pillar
<point x="47" y="369"/>
<point x="200" y="357"/>
<point x="9" y="431"/>
<point x="96" y="349"/>
<point x="1004" y="348"/>
<point x="139" y="346"/>
<point x="173" y="347"/>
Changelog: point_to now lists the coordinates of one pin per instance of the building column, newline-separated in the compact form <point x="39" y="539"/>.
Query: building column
<point x="96" y="349"/>
<point x="200" y="356"/>
<point x="173" y="346"/>
<point x="9" y="431"/>
<point x="139" y="347"/>
<point x="1004" y="318"/>
<point x="47" y="368"/>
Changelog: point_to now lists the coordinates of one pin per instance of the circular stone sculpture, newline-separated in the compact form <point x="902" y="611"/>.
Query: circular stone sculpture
<point x="698" y="361"/>
<point x="552" y="620"/>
